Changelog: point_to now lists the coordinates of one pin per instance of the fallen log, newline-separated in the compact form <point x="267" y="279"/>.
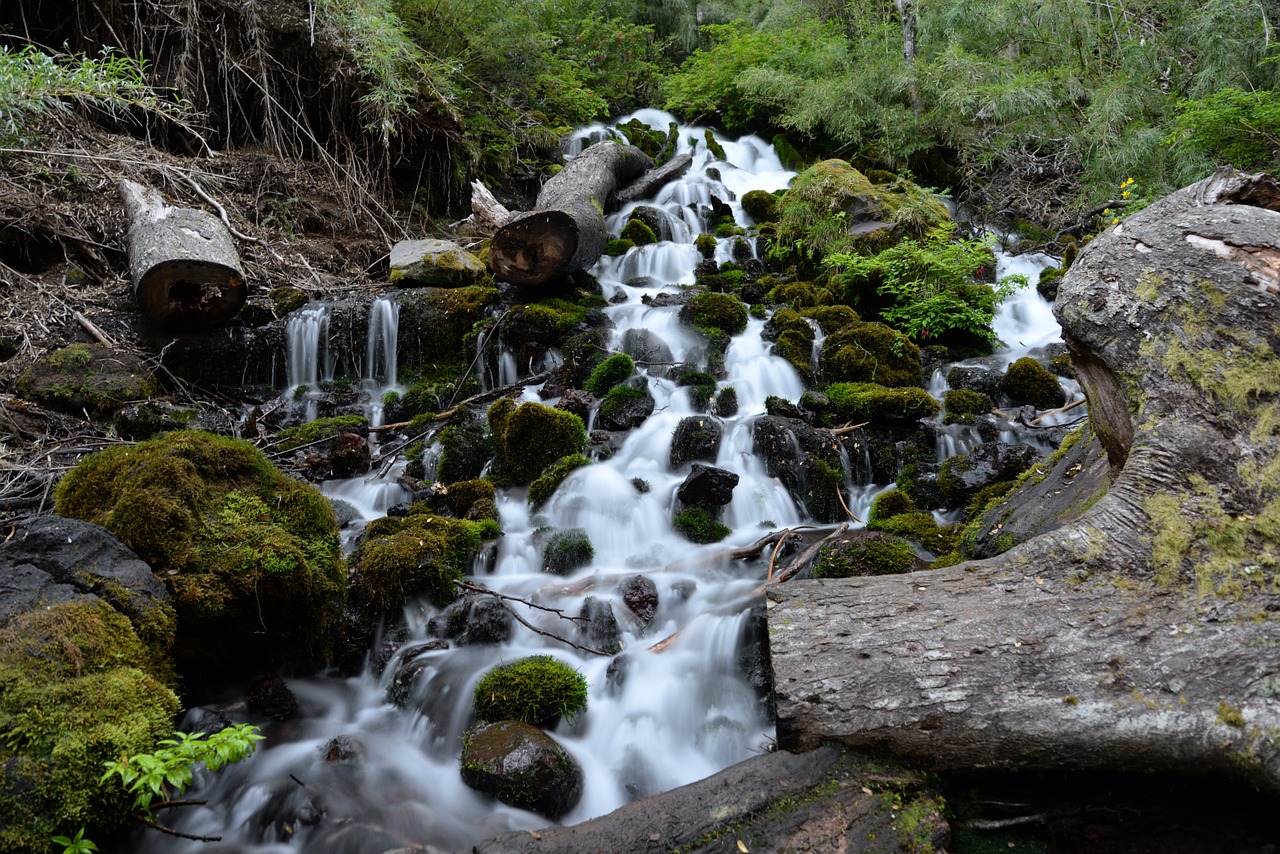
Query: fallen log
<point x="653" y="180"/>
<point x="186" y="271"/>
<point x="1142" y="635"/>
<point x="565" y="232"/>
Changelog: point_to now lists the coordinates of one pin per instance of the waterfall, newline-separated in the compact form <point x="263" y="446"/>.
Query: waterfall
<point x="309" y="361"/>
<point x="675" y="706"/>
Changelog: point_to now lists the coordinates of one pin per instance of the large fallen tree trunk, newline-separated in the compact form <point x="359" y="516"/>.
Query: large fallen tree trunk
<point x="1145" y="635"/>
<point x="185" y="268"/>
<point x="565" y="232"/>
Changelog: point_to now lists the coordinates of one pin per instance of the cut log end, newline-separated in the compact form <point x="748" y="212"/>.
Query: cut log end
<point x="534" y="249"/>
<point x="190" y="296"/>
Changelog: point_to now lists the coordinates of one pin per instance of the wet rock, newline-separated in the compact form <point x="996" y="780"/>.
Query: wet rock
<point x="566" y="551"/>
<point x="474" y="619"/>
<point x="440" y="263"/>
<point x="523" y="767"/>
<point x="981" y="380"/>
<point x="708" y="487"/>
<point x="342" y="749"/>
<point x="992" y="462"/>
<point x="577" y="401"/>
<point x="655" y="218"/>
<point x="141" y="421"/>
<point x="666" y="300"/>
<point x="271" y="696"/>
<point x="647" y="349"/>
<point x="641" y="595"/>
<point x="615" y="675"/>
<point x="806" y="461"/>
<point x="599" y="627"/>
<point x="411" y="665"/>
<point x="753" y="658"/>
<point x="349" y="455"/>
<point x="696" y="438"/>
<point x="466" y="450"/>
<point x="626" y="407"/>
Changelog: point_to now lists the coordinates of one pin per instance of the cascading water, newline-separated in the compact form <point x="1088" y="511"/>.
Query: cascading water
<point x="309" y="360"/>
<point x="355" y="773"/>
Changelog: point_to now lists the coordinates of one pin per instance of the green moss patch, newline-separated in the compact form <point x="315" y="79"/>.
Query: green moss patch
<point x="250" y="555"/>
<point x="530" y="437"/>
<point x="863" y="402"/>
<point x="718" y="311"/>
<point x="537" y="690"/>
<point x="697" y="525"/>
<point x="609" y="373"/>
<point x="545" y="485"/>
<point x="865" y="554"/>
<point x="416" y="555"/>
<point x="871" y="353"/>
<point x="1029" y="382"/>
<point x="87" y="378"/>
<point x="962" y="404"/>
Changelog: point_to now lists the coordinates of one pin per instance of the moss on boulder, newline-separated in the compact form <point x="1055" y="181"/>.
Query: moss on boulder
<point x="87" y="378"/>
<point x="530" y="437"/>
<point x="962" y="404"/>
<point x="861" y="553"/>
<point x="1029" y="382"/>
<point x="638" y="232"/>
<point x="537" y="690"/>
<point x="874" y="402"/>
<point x="609" y="373"/>
<point x="546" y="484"/>
<point x="760" y="205"/>
<point x="250" y="556"/>
<point x="77" y="689"/>
<point x="871" y="353"/>
<point x="717" y="311"/>
<point x="416" y="555"/>
<point x="698" y="525"/>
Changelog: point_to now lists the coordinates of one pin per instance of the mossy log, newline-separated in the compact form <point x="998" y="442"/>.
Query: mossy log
<point x="653" y="180"/>
<point x="1142" y="635"/>
<point x="186" y="272"/>
<point x="565" y="232"/>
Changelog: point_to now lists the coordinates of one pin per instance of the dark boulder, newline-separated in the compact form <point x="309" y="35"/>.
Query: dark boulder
<point x="960" y="478"/>
<point x="474" y="619"/>
<point x="647" y="349"/>
<point x="696" y="438"/>
<point x="522" y="766"/>
<point x="566" y="551"/>
<point x="806" y="461"/>
<point x="271" y="696"/>
<point x="598" y="626"/>
<point x="708" y="487"/>
<point x="641" y="595"/>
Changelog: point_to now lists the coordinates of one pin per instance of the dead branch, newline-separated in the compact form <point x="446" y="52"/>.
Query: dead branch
<point x="803" y="559"/>
<point x="1070" y="406"/>
<point x="90" y="327"/>
<point x="169" y="830"/>
<point x="528" y="625"/>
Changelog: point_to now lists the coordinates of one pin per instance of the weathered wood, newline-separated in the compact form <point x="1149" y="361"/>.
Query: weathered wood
<point x="487" y="213"/>
<point x="653" y="180"/>
<point x="1142" y="635"/>
<point x="186" y="271"/>
<point x="565" y="232"/>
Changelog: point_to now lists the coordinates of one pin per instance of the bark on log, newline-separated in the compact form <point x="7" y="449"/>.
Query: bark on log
<point x="1144" y="635"/>
<point x="565" y="232"/>
<point x="653" y="180"/>
<point x="186" y="271"/>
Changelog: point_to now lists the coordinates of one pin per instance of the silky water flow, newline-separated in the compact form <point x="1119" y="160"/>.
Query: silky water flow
<point x="659" y="716"/>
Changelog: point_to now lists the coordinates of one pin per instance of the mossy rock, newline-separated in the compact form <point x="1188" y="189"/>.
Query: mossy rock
<point x="567" y="551"/>
<point x="531" y="329"/>
<point x="618" y="246"/>
<point x="609" y="373"/>
<point x="439" y="263"/>
<point x="832" y="318"/>
<point x="890" y="503"/>
<point x="871" y="353"/>
<point x="797" y="348"/>
<point x="717" y="311"/>
<point x="87" y="378"/>
<point x="787" y="153"/>
<point x="436" y="323"/>
<point x="861" y="553"/>
<point x="465" y="448"/>
<point x="473" y="500"/>
<point x="705" y="244"/>
<point x="864" y="402"/>
<point x="420" y="554"/>
<point x="320" y="430"/>
<point x="523" y="767"/>
<point x="801" y="294"/>
<point x="1029" y="382"/>
<point x="545" y="485"/>
<point x="919" y="527"/>
<point x="832" y="207"/>
<point x="76" y="690"/>
<point x="287" y="299"/>
<point x="760" y="205"/>
<point x="530" y="437"/>
<point x="787" y="319"/>
<point x="697" y="525"/>
<point x="537" y="690"/>
<point x="962" y="404"/>
<point x="638" y="232"/>
<point x="250" y="555"/>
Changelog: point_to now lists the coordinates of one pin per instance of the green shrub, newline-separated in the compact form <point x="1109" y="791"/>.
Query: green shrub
<point x="537" y="690"/>
<point x="1230" y="126"/>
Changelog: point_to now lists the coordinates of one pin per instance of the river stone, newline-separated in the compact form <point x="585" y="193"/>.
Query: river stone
<point x="523" y="767"/>
<point x="806" y="461"/>
<point x="707" y="487"/>
<point x="696" y="438"/>
<point x="646" y="348"/>
<point x="626" y="407"/>
<point x="598" y="625"/>
<point x="439" y="263"/>
<point x="50" y="560"/>
<point x="989" y="463"/>
<point x="641" y="595"/>
<point x="473" y="619"/>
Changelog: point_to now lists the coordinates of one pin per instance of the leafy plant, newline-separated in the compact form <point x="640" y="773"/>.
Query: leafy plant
<point x="75" y="844"/>
<point x="1232" y="126"/>
<point x="34" y="84"/>
<point x="931" y="285"/>
<point x="153" y="778"/>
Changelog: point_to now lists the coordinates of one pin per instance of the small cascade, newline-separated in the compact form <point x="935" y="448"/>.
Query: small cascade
<point x="309" y="361"/>
<point x="380" y="354"/>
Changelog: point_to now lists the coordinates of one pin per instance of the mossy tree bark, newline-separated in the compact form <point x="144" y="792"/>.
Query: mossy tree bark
<point x="1143" y="635"/>
<point x="186" y="271"/>
<point x="565" y="232"/>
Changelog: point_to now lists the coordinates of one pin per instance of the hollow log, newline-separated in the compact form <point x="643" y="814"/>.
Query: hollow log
<point x="1144" y="635"/>
<point x="565" y="232"/>
<point x="186" y="271"/>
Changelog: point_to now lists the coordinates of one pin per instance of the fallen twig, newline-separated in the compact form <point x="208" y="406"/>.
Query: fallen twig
<point x="466" y="585"/>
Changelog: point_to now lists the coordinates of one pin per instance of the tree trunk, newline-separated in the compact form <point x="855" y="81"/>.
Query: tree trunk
<point x="185" y="268"/>
<point x="653" y="180"/>
<point x="1143" y="635"/>
<point x="565" y="232"/>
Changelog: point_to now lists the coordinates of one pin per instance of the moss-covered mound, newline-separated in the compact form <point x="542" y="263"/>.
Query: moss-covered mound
<point x="77" y="689"/>
<point x="87" y="378"/>
<point x="871" y="353"/>
<point x="1029" y="382"/>
<point x="530" y="437"/>
<point x="638" y="232"/>
<point x="760" y="205"/>
<point x="609" y="373"/>
<point x="863" y="402"/>
<point x="865" y="553"/>
<point x="832" y="207"/>
<point x="962" y="404"/>
<point x="538" y="690"/>
<point x="250" y="556"/>
<point x="717" y="311"/>
<point x="416" y="555"/>
<point x="698" y="525"/>
<point x="890" y="503"/>
<point x="544" y="486"/>
<point x="832" y="318"/>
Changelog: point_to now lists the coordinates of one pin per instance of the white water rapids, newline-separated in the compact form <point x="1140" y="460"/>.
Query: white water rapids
<point x="672" y="714"/>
